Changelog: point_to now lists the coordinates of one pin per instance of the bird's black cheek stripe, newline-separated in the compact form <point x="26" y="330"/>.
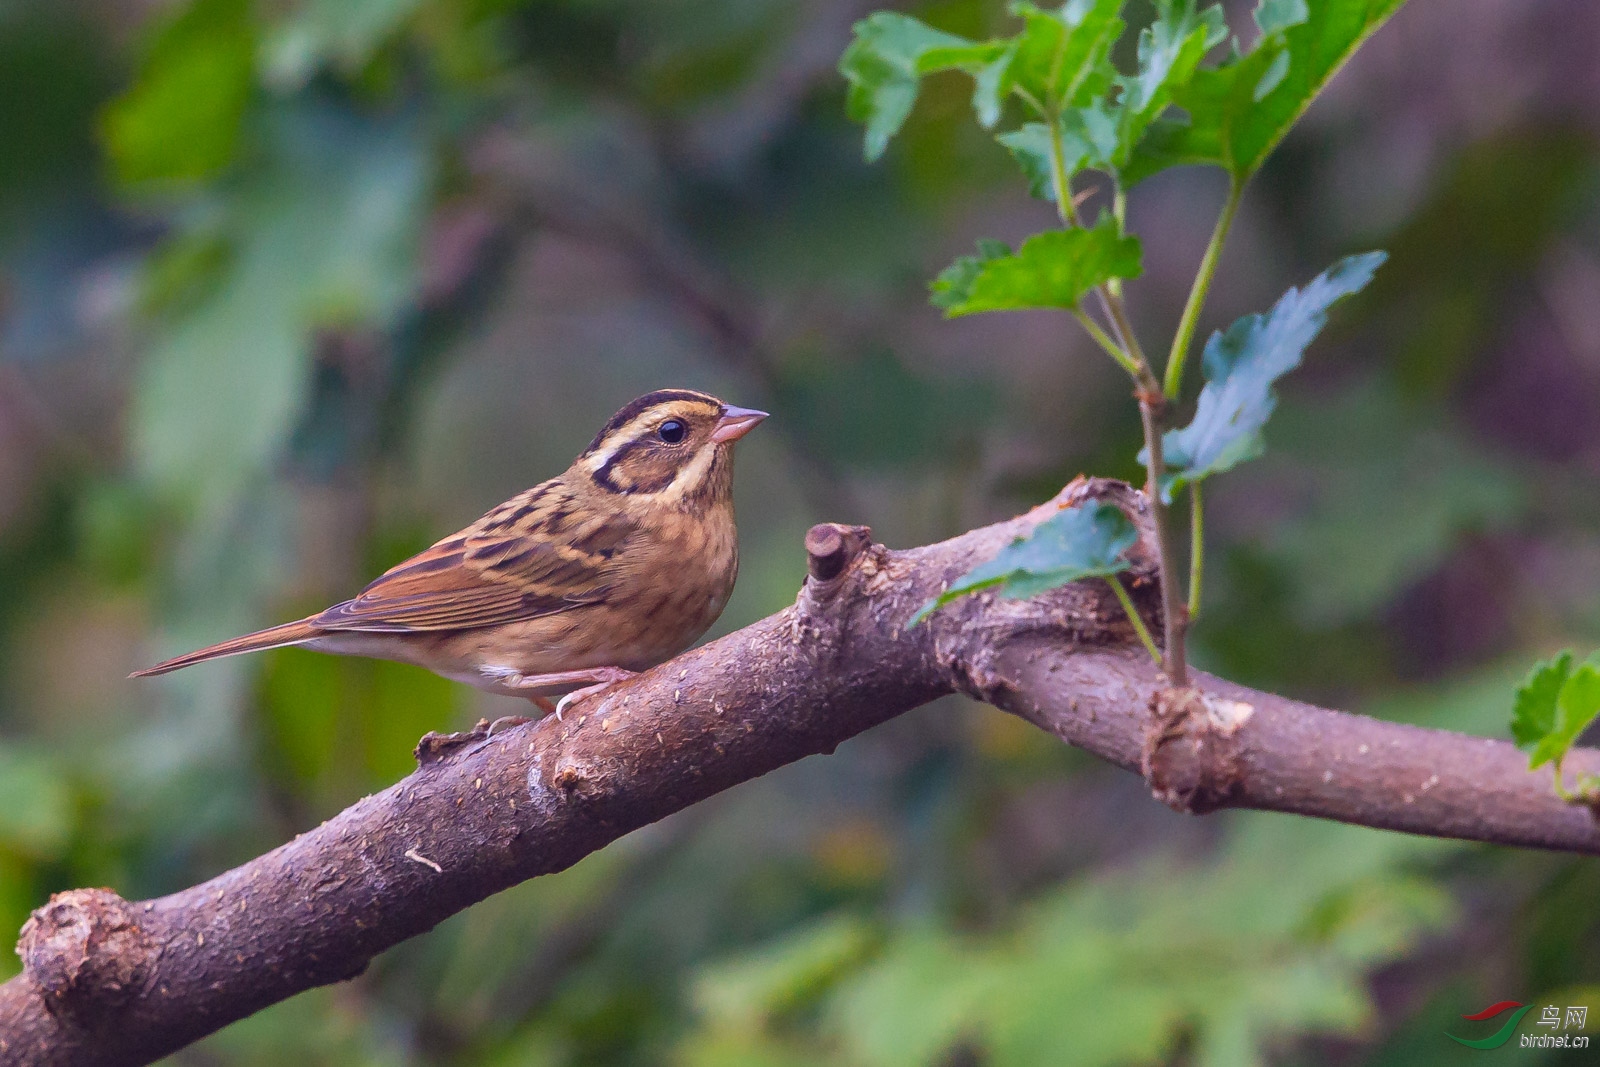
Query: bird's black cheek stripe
<point x="603" y="477"/>
<point x="606" y="478"/>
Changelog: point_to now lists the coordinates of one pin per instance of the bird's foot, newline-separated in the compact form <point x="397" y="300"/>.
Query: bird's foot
<point x="590" y="690"/>
<point x="597" y="678"/>
<point x="506" y="722"/>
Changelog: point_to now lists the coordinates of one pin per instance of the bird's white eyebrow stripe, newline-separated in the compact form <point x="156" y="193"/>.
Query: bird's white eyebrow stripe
<point x="618" y="439"/>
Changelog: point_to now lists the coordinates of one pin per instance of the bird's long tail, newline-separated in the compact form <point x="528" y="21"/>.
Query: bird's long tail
<point x="290" y="633"/>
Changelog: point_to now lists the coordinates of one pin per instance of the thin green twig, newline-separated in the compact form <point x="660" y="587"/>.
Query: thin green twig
<point x="1174" y="614"/>
<point x="1197" y="292"/>
<point x="1119" y="211"/>
<point x="1152" y="412"/>
<point x="1197" y="549"/>
<point x="1104" y="340"/>
<point x="1117" y="312"/>
<point x="1133" y="617"/>
<point x="1058" y="176"/>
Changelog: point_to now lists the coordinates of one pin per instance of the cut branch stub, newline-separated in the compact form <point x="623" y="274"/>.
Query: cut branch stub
<point x="830" y="548"/>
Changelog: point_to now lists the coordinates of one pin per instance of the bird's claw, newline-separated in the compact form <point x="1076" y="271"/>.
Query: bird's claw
<point x="506" y="722"/>
<point x="590" y="690"/>
<point x="598" y="678"/>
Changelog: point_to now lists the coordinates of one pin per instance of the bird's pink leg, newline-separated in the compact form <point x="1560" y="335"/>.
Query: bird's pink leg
<point x="588" y="682"/>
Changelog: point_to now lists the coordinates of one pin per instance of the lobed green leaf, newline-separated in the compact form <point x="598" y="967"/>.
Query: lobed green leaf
<point x="1576" y="707"/>
<point x="1086" y="541"/>
<point x="1170" y="50"/>
<point x="1238" y="112"/>
<point x="1241" y="366"/>
<point x="885" y="64"/>
<point x="1534" y="715"/>
<point x="1554" y="705"/>
<point x="1030" y="146"/>
<point x="1051" y="270"/>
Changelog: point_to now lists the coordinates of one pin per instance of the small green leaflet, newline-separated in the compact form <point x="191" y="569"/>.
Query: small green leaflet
<point x="1030" y="146"/>
<point x="1554" y="706"/>
<point x="885" y="64"/>
<point x="1170" y="49"/>
<point x="1275" y="16"/>
<point x="1241" y="366"/>
<point x="1063" y="56"/>
<point x="1051" y="270"/>
<point x="1085" y="541"/>
<point x="1089" y="138"/>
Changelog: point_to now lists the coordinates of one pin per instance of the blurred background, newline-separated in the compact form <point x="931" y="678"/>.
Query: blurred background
<point x="290" y="289"/>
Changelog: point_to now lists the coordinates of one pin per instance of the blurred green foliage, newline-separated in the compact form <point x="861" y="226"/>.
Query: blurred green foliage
<point x="288" y="290"/>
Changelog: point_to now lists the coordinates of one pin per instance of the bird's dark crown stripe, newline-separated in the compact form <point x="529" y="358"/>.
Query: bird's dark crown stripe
<point x="645" y="403"/>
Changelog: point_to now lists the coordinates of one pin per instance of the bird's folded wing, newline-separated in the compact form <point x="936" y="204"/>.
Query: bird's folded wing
<point x="483" y="578"/>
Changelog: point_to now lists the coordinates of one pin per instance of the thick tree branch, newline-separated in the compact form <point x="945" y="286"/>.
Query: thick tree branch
<point x="109" y="982"/>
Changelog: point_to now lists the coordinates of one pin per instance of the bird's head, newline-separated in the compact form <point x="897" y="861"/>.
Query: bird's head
<point x="674" y="445"/>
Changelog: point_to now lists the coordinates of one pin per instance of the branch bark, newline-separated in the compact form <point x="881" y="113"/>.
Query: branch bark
<point x="108" y="982"/>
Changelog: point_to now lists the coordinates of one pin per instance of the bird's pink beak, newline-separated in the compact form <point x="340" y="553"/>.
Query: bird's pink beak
<point x="735" y="423"/>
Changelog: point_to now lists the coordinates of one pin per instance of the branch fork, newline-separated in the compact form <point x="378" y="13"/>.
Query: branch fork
<point x="109" y="982"/>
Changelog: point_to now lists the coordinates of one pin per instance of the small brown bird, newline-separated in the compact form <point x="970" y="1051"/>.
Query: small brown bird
<point x="614" y="566"/>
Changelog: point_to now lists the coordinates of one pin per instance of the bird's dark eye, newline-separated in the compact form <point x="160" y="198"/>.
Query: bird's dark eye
<point x="671" y="431"/>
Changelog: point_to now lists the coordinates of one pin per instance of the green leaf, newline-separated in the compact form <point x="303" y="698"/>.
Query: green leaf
<point x="181" y="119"/>
<point x="1272" y="77"/>
<point x="1051" y="270"/>
<point x="1241" y="366"/>
<point x="1273" y="939"/>
<point x="885" y="64"/>
<point x="989" y="88"/>
<point x="340" y="33"/>
<point x="742" y="994"/>
<point x="1534" y="714"/>
<point x="1063" y="55"/>
<point x="1275" y="16"/>
<point x="36" y="804"/>
<point x="906" y="1008"/>
<point x="1089" y="138"/>
<point x="1030" y="146"/>
<point x="1077" y="542"/>
<point x="1576" y="705"/>
<point x="323" y="232"/>
<point x="1238" y="112"/>
<point x="1170" y="49"/>
<point x="953" y="286"/>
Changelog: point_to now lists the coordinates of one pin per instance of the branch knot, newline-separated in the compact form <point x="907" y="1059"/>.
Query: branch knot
<point x="86" y="951"/>
<point x="1190" y="755"/>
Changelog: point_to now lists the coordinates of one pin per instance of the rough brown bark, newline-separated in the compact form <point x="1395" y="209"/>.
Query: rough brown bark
<point x="112" y="982"/>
